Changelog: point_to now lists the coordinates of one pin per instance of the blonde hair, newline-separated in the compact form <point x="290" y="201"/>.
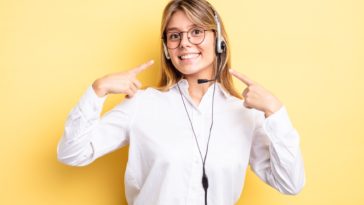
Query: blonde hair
<point x="201" y="13"/>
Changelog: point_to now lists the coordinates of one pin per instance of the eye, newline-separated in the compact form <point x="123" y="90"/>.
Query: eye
<point x="173" y="36"/>
<point x="197" y="32"/>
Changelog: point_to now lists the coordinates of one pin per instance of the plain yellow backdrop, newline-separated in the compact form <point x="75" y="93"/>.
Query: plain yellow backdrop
<point x="308" y="53"/>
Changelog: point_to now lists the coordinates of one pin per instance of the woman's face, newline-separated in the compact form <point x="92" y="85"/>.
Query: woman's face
<point x="189" y="59"/>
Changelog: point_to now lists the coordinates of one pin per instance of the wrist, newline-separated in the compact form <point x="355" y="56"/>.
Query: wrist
<point x="272" y="109"/>
<point x="99" y="87"/>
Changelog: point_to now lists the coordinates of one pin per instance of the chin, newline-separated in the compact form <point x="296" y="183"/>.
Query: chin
<point x="195" y="70"/>
<point x="192" y="66"/>
<point x="188" y="70"/>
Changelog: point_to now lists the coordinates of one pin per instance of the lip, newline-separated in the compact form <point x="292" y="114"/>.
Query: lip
<point x="189" y="53"/>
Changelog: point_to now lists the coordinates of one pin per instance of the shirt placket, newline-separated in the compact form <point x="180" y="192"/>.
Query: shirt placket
<point x="196" y="191"/>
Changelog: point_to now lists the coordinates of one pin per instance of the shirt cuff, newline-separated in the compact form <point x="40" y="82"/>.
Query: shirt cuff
<point x="91" y="104"/>
<point x="278" y="127"/>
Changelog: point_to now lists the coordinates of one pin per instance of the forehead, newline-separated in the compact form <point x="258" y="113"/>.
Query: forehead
<point x="179" y="21"/>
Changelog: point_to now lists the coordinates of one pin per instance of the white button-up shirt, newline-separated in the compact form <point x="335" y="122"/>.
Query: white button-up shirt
<point x="164" y="165"/>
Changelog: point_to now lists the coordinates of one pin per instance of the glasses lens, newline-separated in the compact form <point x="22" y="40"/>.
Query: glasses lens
<point x="173" y="39"/>
<point x="195" y="36"/>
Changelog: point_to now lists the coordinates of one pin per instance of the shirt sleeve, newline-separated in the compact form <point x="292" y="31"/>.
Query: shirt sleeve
<point x="87" y="136"/>
<point x="275" y="153"/>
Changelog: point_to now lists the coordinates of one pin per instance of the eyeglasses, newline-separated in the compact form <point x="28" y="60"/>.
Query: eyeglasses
<point x="195" y="35"/>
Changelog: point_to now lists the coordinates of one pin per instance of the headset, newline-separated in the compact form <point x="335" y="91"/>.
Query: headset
<point x="220" y="41"/>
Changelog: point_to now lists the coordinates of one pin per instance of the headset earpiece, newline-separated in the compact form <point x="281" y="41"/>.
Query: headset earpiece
<point x="166" y="51"/>
<point x="220" y="42"/>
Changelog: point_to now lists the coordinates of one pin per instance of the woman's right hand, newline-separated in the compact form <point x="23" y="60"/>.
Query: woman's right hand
<point x="121" y="82"/>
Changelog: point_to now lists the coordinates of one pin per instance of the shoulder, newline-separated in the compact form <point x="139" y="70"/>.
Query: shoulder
<point x="236" y="105"/>
<point x="149" y="95"/>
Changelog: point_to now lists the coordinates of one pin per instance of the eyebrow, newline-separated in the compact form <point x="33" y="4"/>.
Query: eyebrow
<point x="175" y="28"/>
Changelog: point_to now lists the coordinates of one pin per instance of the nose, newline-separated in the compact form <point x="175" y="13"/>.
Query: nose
<point x="184" y="40"/>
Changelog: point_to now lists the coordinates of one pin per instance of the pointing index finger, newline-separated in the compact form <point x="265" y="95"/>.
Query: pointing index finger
<point x="142" y="67"/>
<point x="241" y="77"/>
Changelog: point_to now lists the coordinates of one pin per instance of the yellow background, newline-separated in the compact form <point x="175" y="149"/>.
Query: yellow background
<point x="308" y="53"/>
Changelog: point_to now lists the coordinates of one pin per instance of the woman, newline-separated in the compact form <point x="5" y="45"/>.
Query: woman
<point x="191" y="140"/>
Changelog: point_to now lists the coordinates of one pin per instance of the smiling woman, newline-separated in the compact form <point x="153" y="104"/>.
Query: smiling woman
<point x="189" y="17"/>
<point x="168" y="129"/>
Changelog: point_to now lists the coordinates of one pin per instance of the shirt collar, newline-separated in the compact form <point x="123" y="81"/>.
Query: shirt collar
<point x="183" y="83"/>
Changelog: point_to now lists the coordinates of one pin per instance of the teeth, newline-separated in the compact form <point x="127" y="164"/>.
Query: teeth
<point x="189" y="56"/>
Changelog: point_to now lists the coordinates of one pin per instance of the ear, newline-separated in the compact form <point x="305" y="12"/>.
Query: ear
<point x="166" y="54"/>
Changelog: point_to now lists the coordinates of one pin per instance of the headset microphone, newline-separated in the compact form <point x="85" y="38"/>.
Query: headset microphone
<point x="201" y="81"/>
<point x="220" y="49"/>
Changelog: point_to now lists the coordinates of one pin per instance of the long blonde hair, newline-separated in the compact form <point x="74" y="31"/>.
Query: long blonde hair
<point x="201" y="13"/>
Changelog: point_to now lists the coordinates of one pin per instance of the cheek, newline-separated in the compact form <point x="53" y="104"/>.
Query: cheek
<point x="208" y="50"/>
<point x="208" y="46"/>
<point x="174" y="57"/>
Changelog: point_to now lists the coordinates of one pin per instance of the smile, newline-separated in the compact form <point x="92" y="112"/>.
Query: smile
<point x="189" y="56"/>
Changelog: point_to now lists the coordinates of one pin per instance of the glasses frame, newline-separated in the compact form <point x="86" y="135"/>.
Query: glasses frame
<point x="188" y="37"/>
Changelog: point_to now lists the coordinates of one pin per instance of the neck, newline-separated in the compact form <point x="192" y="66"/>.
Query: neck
<point x="196" y="90"/>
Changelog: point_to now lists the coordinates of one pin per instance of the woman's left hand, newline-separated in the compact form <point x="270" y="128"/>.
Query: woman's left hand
<point x="257" y="97"/>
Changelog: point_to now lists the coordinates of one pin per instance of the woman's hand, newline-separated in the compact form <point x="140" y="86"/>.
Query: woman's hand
<point x="121" y="82"/>
<point x="255" y="96"/>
